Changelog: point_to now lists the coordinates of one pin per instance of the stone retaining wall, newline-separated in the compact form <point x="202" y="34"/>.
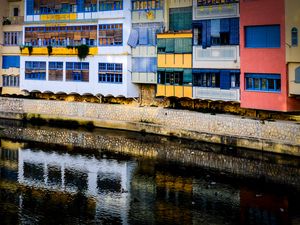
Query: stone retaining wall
<point x="238" y="162"/>
<point x="275" y="136"/>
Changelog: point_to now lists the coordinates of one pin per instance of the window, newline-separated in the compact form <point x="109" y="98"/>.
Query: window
<point x="12" y="38"/>
<point x="208" y="79"/>
<point x="110" y="73"/>
<point x="10" y="61"/>
<point x="216" y="32"/>
<point x="144" y="65"/>
<point x="294" y="37"/>
<point x="110" y="34"/>
<point x="180" y="19"/>
<point x="235" y="79"/>
<point x="146" y="4"/>
<point x="215" y="2"/>
<point x="77" y="71"/>
<point x="174" y="45"/>
<point x="262" y="36"/>
<point x="110" y="5"/>
<point x="56" y="71"/>
<point x="175" y="76"/>
<point x="297" y="75"/>
<point x="145" y="34"/>
<point x="35" y="70"/>
<point x="61" y="36"/>
<point x="263" y="82"/>
<point x="10" y="81"/>
<point x="223" y="79"/>
<point x="16" y="12"/>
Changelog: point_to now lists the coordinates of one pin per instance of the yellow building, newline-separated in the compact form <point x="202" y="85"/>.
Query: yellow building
<point x="174" y="62"/>
<point x="292" y="24"/>
<point x="12" y="18"/>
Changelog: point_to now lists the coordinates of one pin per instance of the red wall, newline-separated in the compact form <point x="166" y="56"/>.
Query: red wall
<point x="263" y="60"/>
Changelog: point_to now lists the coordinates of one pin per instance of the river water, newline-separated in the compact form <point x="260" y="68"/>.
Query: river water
<point x="64" y="176"/>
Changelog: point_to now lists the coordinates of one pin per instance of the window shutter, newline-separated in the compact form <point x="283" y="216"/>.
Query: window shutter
<point x="208" y="33"/>
<point x="133" y="38"/>
<point x="204" y="35"/>
<point x="10" y="61"/>
<point x="169" y="45"/>
<point x="80" y="6"/>
<point x="225" y="79"/>
<point x="179" y="45"/>
<point x="29" y="7"/>
<point x="234" y="31"/>
<point x="143" y="36"/>
<point x="224" y="25"/>
<point x="187" y="76"/>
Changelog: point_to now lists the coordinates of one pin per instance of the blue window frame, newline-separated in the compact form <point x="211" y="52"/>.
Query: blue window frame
<point x="35" y="70"/>
<point x="294" y="33"/>
<point x="263" y="82"/>
<point x="77" y="71"/>
<point x="110" y="34"/>
<point x="223" y="79"/>
<point x="110" y="73"/>
<point x="262" y="36"/>
<point x="55" y="71"/>
<point x="297" y="75"/>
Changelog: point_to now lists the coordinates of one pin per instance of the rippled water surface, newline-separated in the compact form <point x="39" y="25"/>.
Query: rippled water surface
<point x="47" y="184"/>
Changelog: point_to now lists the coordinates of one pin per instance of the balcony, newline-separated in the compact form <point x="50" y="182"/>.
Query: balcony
<point x="153" y="16"/>
<point x="216" y="94"/>
<point x="174" y="91"/>
<point x="216" y="11"/>
<point x="57" y="51"/>
<point x="144" y="78"/>
<point x="174" y="60"/>
<point x="13" y="20"/>
<point x="226" y="57"/>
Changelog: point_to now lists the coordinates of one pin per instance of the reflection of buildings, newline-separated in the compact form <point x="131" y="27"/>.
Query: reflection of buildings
<point x="107" y="181"/>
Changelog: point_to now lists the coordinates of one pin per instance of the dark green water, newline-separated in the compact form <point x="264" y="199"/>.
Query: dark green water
<point x="46" y="184"/>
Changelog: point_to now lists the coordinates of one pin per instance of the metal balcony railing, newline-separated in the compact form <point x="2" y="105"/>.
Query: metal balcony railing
<point x="13" y="20"/>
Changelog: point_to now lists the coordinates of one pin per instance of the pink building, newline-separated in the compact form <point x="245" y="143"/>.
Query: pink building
<point x="264" y="66"/>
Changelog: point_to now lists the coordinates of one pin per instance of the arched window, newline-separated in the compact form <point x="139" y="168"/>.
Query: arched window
<point x="294" y="36"/>
<point x="297" y="75"/>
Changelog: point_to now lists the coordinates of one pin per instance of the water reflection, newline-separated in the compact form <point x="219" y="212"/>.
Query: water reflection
<point x="43" y="186"/>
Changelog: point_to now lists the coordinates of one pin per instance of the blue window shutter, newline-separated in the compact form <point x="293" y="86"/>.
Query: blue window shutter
<point x="273" y="36"/>
<point x="29" y="7"/>
<point x="133" y="38"/>
<point x="10" y="61"/>
<point x="204" y="36"/>
<point x="215" y="28"/>
<point x="262" y="36"/>
<point x="234" y="31"/>
<point x="225" y="79"/>
<point x="224" y="25"/>
<point x="208" y="33"/>
<point x="143" y="36"/>
<point x="80" y="5"/>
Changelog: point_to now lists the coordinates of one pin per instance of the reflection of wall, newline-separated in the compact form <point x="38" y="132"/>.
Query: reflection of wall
<point x="106" y="180"/>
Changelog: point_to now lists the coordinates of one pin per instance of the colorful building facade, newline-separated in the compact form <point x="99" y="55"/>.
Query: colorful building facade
<point x="12" y="19"/>
<point x="216" y="59"/>
<point x="63" y="28"/>
<point x="268" y="80"/>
